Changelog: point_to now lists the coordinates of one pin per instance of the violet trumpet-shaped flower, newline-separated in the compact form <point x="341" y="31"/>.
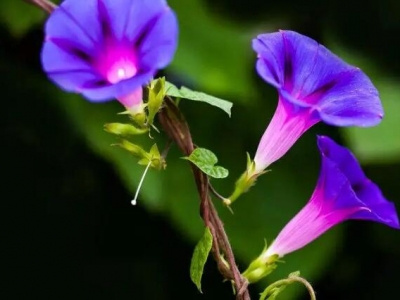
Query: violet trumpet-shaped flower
<point x="106" y="49"/>
<point x="343" y="192"/>
<point x="313" y="85"/>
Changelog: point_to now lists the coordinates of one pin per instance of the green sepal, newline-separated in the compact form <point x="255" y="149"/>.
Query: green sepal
<point x="245" y="181"/>
<point x="199" y="258"/>
<point x="124" y="129"/>
<point x="153" y="156"/>
<point x="157" y="161"/>
<point x="133" y="149"/>
<point x="155" y="98"/>
<point x="138" y="116"/>
<point x="139" y="119"/>
<point x="260" y="268"/>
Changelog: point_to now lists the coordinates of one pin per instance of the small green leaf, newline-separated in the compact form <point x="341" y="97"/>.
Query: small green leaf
<point x="124" y="129"/>
<point x="199" y="258"/>
<point x="205" y="160"/>
<point x="156" y="97"/>
<point x="184" y="92"/>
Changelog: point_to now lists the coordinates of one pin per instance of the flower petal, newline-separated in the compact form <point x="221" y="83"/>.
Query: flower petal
<point x="159" y="45"/>
<point x="309" y="75"/>
<point x="283" y="131"/>
<point x="352" y="101"/>
<point x="66" y="22"/>
<point x="103" y="92"/>
<point x="271" y="58"/>
<point x="73" y="80"/>
<point x="62" y="55"/>
<point x="128" y="18"/>
<point x="343" y="159"/>
<point x="297" y="63"/>
<point x="381" y="210"/>
<point x="357" y="190"/>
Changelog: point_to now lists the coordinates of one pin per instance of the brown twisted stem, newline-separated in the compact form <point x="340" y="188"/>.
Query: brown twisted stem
<point x="45" y="5"/>
<point x="176" y="127"/>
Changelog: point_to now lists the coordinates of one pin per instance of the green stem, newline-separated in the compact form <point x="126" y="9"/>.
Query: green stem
<point x="283" y="282"/>
<point x="242" y="185"/>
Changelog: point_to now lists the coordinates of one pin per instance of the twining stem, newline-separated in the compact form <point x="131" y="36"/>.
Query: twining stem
<point x="174" y="124"/>
<point x="291" y="279"/>
<point x="45" y="5"/>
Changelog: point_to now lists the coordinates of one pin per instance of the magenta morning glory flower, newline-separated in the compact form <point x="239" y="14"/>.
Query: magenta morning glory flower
<point x="106" y="49"/>
<point x="343" y="192"/>
<point x="313" y="85"/>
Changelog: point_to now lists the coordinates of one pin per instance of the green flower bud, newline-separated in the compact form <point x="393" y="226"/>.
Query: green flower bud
<point x="124" y="129"/>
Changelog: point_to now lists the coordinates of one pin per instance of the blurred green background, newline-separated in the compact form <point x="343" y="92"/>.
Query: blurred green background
<point x="70" y="231"/>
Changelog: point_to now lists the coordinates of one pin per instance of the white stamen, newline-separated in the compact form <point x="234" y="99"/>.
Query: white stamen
<point x="121" y="73"/>
<point x="140" y="183"/>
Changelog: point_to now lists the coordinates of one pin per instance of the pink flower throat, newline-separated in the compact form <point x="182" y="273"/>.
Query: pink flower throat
<point x="117" y="63"/>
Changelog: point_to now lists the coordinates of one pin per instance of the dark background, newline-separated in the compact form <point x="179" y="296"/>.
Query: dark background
<point x="69" y="229"/>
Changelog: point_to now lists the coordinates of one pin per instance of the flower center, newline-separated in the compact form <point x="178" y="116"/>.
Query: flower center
<point x="117" y="63"/>
<point x="120" y="70"/>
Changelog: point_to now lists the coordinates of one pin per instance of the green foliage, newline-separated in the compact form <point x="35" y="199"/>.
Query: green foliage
<point x="259" y="214"/>
<point x="216" y="56"/>
<point x="156" y="97"/>
<point x="20" y="16"/>
<point x="185" y="93"/>
<point x="200" y="255"/>
<point x="205" y="160"/>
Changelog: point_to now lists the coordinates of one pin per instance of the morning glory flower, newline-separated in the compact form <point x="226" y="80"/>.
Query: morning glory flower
<point x="107" y="49"/>
<point x="313" y="85"/>
<point x="343" y="192"/>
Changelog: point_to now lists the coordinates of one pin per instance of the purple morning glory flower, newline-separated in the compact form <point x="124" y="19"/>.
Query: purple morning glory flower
<point x="343" y="192"/>
<point x="313" y="85"/>
<point x="106" y="49"/>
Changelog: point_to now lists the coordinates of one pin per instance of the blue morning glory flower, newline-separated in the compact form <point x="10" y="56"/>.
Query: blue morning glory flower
<point x="106" y="49"/>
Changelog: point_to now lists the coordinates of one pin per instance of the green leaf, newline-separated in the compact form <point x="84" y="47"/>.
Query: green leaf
<point x="205" y="160"/>
<point x="156" y="97"/>
<point x="199" y="257"/>
<point x="184" y="92"/>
